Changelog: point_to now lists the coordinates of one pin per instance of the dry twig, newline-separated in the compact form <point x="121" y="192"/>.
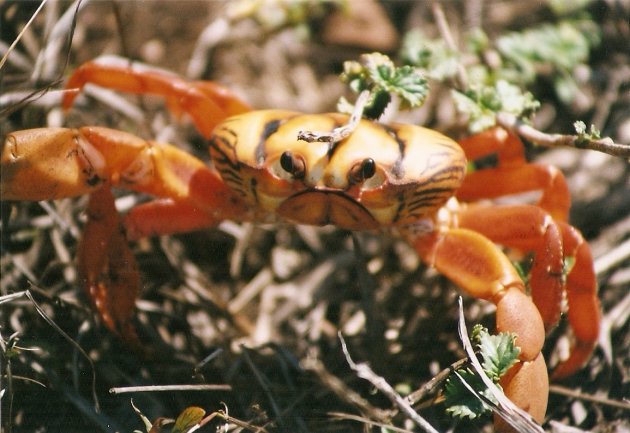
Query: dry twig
<point x="606" y="145"/>
<point x="365" y="372"/>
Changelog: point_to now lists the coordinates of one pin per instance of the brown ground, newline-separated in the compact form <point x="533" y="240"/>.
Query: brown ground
<point x="279" y="349"/>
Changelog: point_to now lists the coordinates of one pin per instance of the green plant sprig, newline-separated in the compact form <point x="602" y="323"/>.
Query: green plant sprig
<point x="499" y="353"/>
<point x="376" y="73"/>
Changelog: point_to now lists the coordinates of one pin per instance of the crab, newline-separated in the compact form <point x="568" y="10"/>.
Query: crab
<point x="396" y="178"/>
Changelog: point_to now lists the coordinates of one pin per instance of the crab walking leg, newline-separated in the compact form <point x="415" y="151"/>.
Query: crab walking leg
<point x="206" y="102"/>
<point x="479" y="267"/>
<point x="107" y="267"/>
<point x="166" y="217"/>
<point x="530" y="229"/>
<point x="512" y="174"/>
<point x="584" y="309"/>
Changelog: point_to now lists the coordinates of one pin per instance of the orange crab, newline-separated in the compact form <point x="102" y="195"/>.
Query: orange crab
<point x="401" y="177"/>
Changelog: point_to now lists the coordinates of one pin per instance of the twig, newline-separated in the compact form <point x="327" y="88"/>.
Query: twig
<point x="612" y="258"/>
<point x="69" y="339"/>
<point x="606" y="145"/>
<point x="368" y="422"/>
<point x="263" y="381"/>
<point x="344" y="131"/>
<point x="445" y="32"/>
<point x="162" y="388"/>
<point x="511" y="122"/>
<point x="46" y="64"/>
<point x="430" y="386"/>
<point x="19" y="36"/>
<point x="557" y="389"/>
<point x="365" y="372"/>
<point x="343" y="391"/>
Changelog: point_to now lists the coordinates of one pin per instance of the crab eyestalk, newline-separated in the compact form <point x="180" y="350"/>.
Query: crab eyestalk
<point x="362" y="171"/>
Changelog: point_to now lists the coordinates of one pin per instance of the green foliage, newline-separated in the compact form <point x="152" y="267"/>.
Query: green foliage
<point x="497" y="73"/>
<point x="377" y="73"/>
<point x="272" y="15"/>
<point x="481" y="103"/>
<point x="460" y="403"/>
<point x="556" y="48"/>
<point x="431" y="55"/>
<point x="499" y="354"/>
<point x="187" y="420"/>
<point x="585" y="135"/>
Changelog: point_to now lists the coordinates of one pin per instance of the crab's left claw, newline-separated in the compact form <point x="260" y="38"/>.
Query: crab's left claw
<point x="107" y="267"/>
<point x="481" y="269"/>
<point x="52" y="163"/>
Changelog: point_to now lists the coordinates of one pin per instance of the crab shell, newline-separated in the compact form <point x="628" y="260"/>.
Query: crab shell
<point x="415" y="170"/>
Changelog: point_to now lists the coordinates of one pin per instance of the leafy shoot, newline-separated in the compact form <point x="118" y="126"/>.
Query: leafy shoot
<point x="377" y="74"/>
<point x="499" y="354"/>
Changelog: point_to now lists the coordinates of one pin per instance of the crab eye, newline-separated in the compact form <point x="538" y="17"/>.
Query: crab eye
<point x="362" y="171"/>
<point x="292" y="164"/>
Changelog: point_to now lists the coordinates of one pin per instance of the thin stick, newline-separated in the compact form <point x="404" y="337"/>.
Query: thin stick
<point x="19" y="36"/>
<point x="557" y="389"/>
<point x="344" y="131"/>
<point x="365" y="372"/>
<point x="447" y="35"/>
<point x="162" y="388"/>
<point x="606" y="145"/>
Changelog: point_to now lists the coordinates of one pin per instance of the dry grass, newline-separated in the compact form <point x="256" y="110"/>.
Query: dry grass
<point x="259" y="308"/>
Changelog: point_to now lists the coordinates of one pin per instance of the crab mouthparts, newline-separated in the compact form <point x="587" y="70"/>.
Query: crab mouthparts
<point x="327" y="207"/>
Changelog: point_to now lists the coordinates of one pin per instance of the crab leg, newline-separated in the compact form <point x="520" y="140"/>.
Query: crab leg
<point x="54" y="163"/>
<point x="479" y="267"/>
<point x="206" y="102"/>
<point x="107" y="268"/>
<point x="532" y="229"/>
<point x="512" y="174"/>
<point x="584" y="311"/>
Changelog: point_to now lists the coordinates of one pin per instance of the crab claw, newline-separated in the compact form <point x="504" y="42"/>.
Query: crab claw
<point x="481" y="269"/>
<point x="52" y="163"/>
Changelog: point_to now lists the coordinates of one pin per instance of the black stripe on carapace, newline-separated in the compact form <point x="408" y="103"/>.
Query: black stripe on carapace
<point x="454" y="172"/>
<point x="270" y="128"/>
<point x="214" y="143"/>
<point x="429" y="201"/>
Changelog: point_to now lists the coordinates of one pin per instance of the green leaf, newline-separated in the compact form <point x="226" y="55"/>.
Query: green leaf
<point x="460" y="402"/>
<point x="432" y="56"/>
<point x="188" y="419"/>
<point x="559" y="47"/>
<point x="481" y="103"/>
<point x="499" y="353"/>
<point x="378" y="74"/>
